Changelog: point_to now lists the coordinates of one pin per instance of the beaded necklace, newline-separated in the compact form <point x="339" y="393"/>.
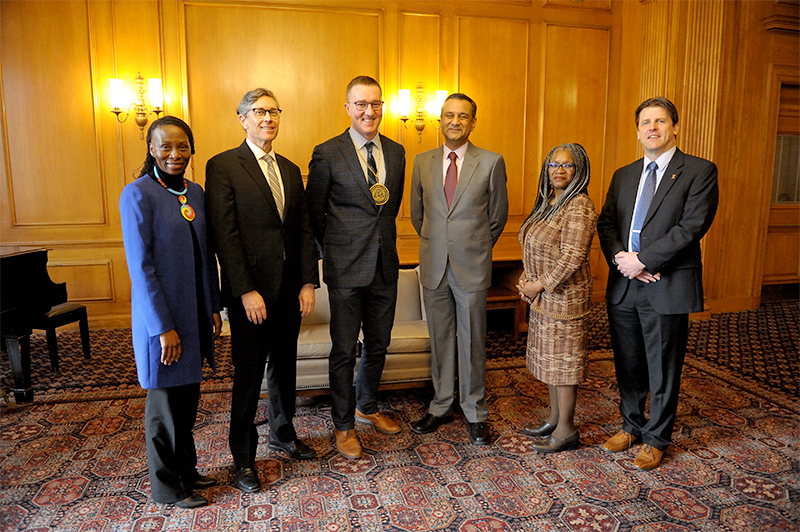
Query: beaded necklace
<point x="186" y="209"/>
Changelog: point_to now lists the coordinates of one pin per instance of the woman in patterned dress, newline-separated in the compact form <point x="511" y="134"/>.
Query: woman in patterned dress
<point x="557" y="283"/>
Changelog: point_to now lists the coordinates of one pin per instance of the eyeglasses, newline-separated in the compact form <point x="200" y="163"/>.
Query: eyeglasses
<point x="565" y="166"/>
<point x="362" y="106"/>
<point x="258" y="112"/>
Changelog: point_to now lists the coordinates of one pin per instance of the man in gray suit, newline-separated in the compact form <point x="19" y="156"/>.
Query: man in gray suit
<point x="355" y="185"/>
<point x="459" y="206"/>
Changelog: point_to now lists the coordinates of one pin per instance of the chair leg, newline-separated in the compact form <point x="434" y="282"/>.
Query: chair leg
<point x="52" y="348"/>
<point x="84" y="325"/>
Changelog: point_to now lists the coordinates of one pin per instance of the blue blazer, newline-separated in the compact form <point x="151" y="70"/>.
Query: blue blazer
<point x="160" y="257"/>
<point x="349" y="228"/>
<point x="681" y="213"/>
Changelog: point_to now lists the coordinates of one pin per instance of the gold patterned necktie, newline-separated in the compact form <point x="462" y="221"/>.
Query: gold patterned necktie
<point x="274" y="185"/>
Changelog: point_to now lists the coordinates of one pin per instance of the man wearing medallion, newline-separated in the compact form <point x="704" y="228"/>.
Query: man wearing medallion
<point x="259" y="222"/>
<point x="355" y="185"/>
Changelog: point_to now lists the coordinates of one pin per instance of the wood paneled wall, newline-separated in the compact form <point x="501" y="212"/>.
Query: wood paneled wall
<point x="541" y="72"/>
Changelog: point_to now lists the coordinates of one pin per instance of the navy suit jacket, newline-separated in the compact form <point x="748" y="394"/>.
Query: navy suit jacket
<point x="349" y="228"/>
<point x="682" y="210"/>
<point x="256" y="250"/>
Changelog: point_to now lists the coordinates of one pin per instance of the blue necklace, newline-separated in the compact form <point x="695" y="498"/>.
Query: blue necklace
<point x="186" y="209"/>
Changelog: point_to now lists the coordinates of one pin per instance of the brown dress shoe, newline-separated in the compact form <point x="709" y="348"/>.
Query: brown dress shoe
<point x="381" y="423"/>
<point x="620" y="441"/>
<point x="648" y="458"/>
<point x="347" y="443"/>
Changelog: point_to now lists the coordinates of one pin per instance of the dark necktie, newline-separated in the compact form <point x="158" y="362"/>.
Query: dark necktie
<point x="451" y="179"/>
<point x="645" y="199"/>
<point x="372" y="168"/>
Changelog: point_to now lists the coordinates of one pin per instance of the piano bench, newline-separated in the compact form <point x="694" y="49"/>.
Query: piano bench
<point x="59" y="316"/>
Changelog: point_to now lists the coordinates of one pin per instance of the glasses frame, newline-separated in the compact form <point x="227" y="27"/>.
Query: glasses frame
<point x="565" y="166"/>
<point x="274" y="113"/>
<point x="362" y="106"/>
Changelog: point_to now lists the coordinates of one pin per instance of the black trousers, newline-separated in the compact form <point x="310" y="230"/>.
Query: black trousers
<point x="649" y="350"/>
<point x="169" y="416"/>
<point x="372" y="309"/>
<point x="272" y="344"/>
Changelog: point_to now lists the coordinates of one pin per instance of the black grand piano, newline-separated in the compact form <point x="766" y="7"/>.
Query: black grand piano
<point x="26" y="291"/>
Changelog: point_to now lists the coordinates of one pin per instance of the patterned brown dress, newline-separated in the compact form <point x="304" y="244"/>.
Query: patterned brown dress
<point x="557" y="254"/>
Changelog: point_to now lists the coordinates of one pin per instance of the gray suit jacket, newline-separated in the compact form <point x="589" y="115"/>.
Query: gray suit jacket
<point x="464" y="234"/>
<point x="349" y="228"/>
<point x="681" y="213"/>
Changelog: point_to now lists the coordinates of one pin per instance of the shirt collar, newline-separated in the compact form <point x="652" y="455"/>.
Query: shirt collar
<point x="360" y="141"/>
<point x="259" y="153"/>
<point x="461" y="151"/>
<point x="663" y="160"/>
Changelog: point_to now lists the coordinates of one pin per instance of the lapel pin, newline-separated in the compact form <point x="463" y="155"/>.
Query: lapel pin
<point x="673" y="176"/>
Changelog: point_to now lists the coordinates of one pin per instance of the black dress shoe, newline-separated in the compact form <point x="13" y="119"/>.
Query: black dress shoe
<point x="247" y="480"/>
<point x="479" y="433"/>
<point x="293" y="449"/>
<point x="540" y="429"/>
<point x="429" y="423"/>
<point x="203" y="481"/>
<point x="192" y="501"/>
<point x="554" y="445"/>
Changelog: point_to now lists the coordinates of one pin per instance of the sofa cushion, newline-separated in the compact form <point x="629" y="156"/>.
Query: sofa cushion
<point x="410" y="337"/>
<point x="314" y="341"/>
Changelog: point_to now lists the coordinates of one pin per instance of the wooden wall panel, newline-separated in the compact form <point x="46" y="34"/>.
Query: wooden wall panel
<point x="87" y="280"/>
<point x="703" y="70"/>
<point x="54" y="171"/>
<point x="492" y="69"/>
<point x="574" y="89"/>
<point x="305" y="56"/>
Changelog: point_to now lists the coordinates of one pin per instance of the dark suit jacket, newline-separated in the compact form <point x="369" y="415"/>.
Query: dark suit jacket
<point x="349" y="228"/>
<point x="681" y="212"/>
<point x="255" y="249"/>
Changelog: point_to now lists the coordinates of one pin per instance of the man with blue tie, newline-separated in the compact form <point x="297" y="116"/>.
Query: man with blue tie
<point x="656" y="211"/>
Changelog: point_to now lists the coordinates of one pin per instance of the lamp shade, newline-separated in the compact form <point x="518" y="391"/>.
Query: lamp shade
<point x="156" y="93"/>
<point x="116" y="93"/>
<point x="404" y="102"/>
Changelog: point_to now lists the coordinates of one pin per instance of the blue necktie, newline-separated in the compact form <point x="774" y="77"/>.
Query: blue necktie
<point x="372" y="172"/>
<point x="644" y="204"/>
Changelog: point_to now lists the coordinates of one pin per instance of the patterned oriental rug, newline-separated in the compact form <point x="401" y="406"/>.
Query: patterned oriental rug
<point x="74" y="460"/>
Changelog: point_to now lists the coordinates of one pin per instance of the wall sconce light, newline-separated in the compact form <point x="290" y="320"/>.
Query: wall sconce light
<point x="118" y="100"/>
<point x="404" y="109"/>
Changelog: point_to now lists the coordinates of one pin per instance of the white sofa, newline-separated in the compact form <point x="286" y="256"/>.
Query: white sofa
<point x="408" y="360"/>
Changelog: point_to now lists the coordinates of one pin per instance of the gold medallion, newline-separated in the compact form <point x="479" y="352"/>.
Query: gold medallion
<point x="379" y="193"/>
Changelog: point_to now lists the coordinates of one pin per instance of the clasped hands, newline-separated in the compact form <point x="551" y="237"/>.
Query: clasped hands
<point x="630" y="266"/>
<point x="529" y="290"/>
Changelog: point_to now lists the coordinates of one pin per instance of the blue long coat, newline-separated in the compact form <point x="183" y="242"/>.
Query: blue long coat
<point x="160" y="256"/>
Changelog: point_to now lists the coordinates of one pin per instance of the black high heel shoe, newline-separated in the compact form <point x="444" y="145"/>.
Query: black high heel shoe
<point x="539" y="429"/>
<point x="554" y="445"/>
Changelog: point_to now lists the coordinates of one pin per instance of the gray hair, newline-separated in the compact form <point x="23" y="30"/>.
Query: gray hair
<point x="542" y="210"/>
<point x="251" y="97"/>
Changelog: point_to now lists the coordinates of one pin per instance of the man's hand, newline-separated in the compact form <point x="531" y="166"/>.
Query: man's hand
<point x="254" y="307"/>
<point x="630" y="266"/>
<point x="307" y="299"/>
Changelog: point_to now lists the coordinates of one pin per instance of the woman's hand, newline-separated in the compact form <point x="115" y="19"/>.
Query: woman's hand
<point x="529" y="290"/>
<point x="170" y="347"/>
<point x="217" y="324"/>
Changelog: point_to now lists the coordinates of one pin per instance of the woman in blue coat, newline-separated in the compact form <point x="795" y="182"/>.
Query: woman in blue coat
<point x="174" y="306"/>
